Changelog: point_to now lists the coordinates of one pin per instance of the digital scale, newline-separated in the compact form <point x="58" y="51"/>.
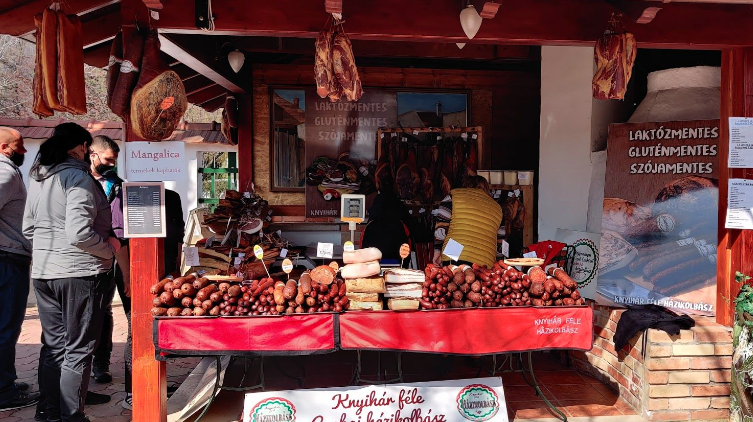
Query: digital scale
<point x="352" y="211"/>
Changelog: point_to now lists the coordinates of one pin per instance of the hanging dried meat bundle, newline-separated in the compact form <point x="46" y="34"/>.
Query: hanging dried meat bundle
<point x="59" y="70"/>
<point x="40" y="107"/>
<point x="335" y="68"/>
<point x="113" y="65"/>
<point x="229" y="121"/>
<point x="159" y="99"/>
<point x="323" y="62"/>
<point x="614" y="56"/>
<point x="344" y="66"/>
<point x="128" y="71"/>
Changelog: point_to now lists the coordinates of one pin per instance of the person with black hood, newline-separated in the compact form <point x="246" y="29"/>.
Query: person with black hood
<point x="387" y="228"/>
<point x="68" y="220"/>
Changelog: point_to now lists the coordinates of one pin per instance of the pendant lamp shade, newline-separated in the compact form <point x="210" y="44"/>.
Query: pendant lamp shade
<point x="470" y="20"/>
<point x="236" y="59"/>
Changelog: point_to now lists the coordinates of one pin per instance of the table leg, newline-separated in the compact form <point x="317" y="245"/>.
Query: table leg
<point x="528" y="369"/>
<point x="357" y="375"/>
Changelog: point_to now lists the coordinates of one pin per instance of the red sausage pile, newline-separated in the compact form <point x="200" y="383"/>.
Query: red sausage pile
<point x="502" y="285"/>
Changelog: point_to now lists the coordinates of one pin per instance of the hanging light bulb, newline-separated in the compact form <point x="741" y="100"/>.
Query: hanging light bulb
<point x="236" y="59"/>
<point x="460" y="45"/>
<point x="470" y="20"/>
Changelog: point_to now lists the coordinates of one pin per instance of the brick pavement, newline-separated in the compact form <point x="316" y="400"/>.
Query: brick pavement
<point x="27" y="360"/>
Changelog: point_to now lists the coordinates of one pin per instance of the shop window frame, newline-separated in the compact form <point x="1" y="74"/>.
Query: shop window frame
<point x="290" y="87"/>
<point x="231" y="170"/>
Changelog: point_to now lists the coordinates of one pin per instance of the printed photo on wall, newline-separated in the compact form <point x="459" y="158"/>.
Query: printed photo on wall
<point x="659" y="221"/>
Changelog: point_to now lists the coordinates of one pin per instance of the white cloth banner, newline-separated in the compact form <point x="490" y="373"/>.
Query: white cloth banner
<point x="475" y="400"/>
<point x="155" y="161"/>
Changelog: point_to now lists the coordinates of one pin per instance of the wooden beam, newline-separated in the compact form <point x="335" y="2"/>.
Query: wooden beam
<point x="103" y="28"/>
<point x="735" y="247"/>
<point x="200" y="63"/>
<point x="546" y="22"/>
<point x="20" y="20"/>
<point x="489" y="10"/>
<point x="205" y="95"/>
<point x="184" y="72"/>
<point x="642" y="12"/>
<point x="245" y="143"/>
<point x="195" y="85"/>
<point x="153" y="4"/>
<point x="98" y="55"/>
<point x="370" y="48"/>
<point x="212" y="105"/>
<point x="333" y="6"/>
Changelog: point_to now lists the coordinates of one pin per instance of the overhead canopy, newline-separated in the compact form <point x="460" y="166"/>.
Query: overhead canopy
<point x="422" y="33"/>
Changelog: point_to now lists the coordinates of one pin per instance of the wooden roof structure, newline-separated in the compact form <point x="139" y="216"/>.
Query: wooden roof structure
<point x="282" y="32"/>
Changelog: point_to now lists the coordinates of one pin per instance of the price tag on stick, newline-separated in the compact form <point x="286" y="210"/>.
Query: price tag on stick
<point x="287" y="267"/>
<point x="191" y="253"/>
<point x="404" y="253"/>
<point x="259" y="254"/>
<point x="348" y="246"/>
<point x="324" y="250"/>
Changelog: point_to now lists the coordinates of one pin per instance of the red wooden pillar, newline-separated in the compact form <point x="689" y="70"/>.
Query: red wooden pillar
<point x="735" y="247"/>
<point x="245" y="142"/>
<point x="149" y="374"/>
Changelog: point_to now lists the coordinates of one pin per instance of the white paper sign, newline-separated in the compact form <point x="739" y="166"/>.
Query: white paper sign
<point x="531" y="254"/>
<point x="505" y="249"/>
<point x="238" y="261"/>
<point x="191" y="253"/>
<point x="469" y="400"/>
<point x="453" y="250"/>
<point x="324" y="250"/>
<point x="283" y="253"/>
<point x="155" y="161"/>
<point x="740" y="205"/>
<point x="585" y="265"/>
<point x="740" y="142"/>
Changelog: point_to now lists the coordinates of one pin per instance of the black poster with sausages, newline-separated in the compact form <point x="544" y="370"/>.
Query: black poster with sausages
<point x="659" y="220"/>
<point x="341" y="147"/>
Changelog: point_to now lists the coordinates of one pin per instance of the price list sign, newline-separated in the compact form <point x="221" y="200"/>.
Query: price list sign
<point x="144" y="209"/>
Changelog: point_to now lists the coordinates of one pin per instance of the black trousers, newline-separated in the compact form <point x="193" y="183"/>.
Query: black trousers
<point x="71" y="312"/>
<point x="14" y="291"/>
<point x="104" y="349"/>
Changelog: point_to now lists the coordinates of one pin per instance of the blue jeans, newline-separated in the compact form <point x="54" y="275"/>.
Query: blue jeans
<point x="14" y="291"/>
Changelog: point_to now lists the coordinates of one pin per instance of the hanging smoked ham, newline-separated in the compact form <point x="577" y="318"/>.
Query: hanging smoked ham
<point x="614" y="55"/>
<point x="159" y="99"/>
<point x="323" y="62"/>
<point x="344" y="65"/>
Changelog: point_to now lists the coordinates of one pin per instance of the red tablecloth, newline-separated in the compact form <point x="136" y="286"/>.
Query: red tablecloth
<point x="469" y="331"/>
<point x="302" y="334"/>
<point x="455" y="331"/>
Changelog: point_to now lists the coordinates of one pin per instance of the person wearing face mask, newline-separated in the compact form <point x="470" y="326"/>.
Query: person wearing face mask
<point x="104" y="157"/>
<point x="68" y="220"/>
<point x="15" y="257"/>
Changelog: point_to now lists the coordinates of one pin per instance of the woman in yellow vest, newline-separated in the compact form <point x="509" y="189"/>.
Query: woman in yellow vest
<point x="474" y="219"/>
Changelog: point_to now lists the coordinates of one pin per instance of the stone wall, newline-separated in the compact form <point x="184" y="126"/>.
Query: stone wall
<point x="664" y="378"/>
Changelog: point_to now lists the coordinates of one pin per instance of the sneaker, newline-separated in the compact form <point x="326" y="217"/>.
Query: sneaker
<point x="128" y="402"/>
<point x="101" y="374"/>
<point x="21" y="386"/>
<point x="93" y="399"/>
<point x="21" y="401"/>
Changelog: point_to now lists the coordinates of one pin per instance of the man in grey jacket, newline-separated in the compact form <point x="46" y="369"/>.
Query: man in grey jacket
<point x="68" y="219"/>
<point x="15" y="257"/>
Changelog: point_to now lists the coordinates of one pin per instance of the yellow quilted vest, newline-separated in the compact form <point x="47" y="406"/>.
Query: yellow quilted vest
<point x="475" y="221"/>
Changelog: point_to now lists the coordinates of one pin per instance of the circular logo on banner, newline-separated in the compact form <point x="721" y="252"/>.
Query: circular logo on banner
<point x="477" y="403"/>
<point x="273" y="409"/>
<point x="585" y="262"/>
<point x="258" y="252"/>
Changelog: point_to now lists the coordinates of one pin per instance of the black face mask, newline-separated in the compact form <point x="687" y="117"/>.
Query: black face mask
<point x="103" y="168"/>
<point x="17" y="159"/>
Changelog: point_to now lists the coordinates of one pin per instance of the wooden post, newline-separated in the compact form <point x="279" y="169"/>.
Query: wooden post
<point x="245" y="142"/>
<point x="734" y="245"/>
<point x="149" y="374"/>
